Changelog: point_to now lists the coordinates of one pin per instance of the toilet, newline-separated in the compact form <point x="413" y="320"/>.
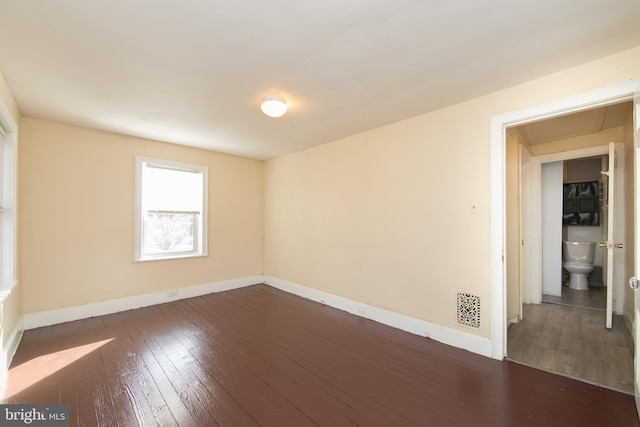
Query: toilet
<point x="578" y="261"/>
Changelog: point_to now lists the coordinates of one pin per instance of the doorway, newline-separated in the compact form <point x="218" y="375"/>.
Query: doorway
<point x="557" y="337"/>
<point x="589" y="170"/>
<point x="498" y="132"/>
<point x="584" y="184"/>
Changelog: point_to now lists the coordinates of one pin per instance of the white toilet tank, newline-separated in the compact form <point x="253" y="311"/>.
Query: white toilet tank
<point x="579" y="251"/>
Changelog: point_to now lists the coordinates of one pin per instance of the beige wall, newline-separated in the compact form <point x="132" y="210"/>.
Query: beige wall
<point x="11" y="308"/>
<point x="77" y="211"/>
<point x="379" y="217"/>
<point x="383" y="217"/>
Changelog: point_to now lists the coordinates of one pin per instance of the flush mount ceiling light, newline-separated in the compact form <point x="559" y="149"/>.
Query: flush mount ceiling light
<point x="273" y="106"/>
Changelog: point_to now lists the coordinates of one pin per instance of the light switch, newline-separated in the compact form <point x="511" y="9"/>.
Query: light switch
<point x="474" y="207"/>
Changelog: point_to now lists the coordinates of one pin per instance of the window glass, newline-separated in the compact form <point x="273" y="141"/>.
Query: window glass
<point x="171" y="209"/>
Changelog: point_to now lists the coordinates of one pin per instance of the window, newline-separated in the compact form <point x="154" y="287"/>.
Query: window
<point x="8" y="154"/>
<point x="171" y="218"/>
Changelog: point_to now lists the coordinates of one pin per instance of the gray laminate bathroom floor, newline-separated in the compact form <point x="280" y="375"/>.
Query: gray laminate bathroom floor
<point x="595" y="297"/>
<point x="573" y="341"/>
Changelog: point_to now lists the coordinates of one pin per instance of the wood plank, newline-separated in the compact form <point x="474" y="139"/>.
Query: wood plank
<point x="254" y="336"/>
<point x="258" y="356"/>
<point x="261" y="367"/>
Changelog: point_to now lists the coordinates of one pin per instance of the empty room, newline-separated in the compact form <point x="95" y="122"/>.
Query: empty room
<point x="312" y="213"/>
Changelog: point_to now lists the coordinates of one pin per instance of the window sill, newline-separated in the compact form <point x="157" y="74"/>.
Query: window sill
<point x="169" y="258"/>
<point x="5" y="290"/>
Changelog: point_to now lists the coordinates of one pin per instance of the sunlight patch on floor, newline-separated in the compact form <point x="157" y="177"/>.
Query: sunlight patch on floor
<point x="39" y="368"/>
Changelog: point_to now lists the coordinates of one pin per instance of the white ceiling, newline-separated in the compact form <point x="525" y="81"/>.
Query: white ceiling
<point x="193" y="71"/>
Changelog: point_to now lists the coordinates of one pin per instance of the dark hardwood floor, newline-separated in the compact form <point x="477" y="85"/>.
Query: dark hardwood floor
<point x="259" y="356"/>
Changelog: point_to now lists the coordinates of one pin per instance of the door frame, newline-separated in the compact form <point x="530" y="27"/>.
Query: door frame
<point x="536" y="200"/>
<point x="525" y="227"/>
<point x="498" y="136"/>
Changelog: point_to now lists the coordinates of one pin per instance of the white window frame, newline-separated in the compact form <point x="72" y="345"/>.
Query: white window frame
<point x="201" y="225"/>
<point x="8" y="205"/>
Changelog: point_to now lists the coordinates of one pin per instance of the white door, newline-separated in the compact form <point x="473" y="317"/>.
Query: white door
<point x="552" y="228"/>
<point x="610" y="243"/>
<point x="636" y="335"/>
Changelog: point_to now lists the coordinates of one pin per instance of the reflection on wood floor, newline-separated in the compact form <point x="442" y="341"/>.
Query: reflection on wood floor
<point x="573" y="341"/>
<point x="257" y="356"/>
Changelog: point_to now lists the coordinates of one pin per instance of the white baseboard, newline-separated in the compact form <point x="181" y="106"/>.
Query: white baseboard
<point x="415" y="326"/>
<point x="68" y="314"/>
<point x="8" y="351"/>
<point x="12" y="343"/>
<point x="630" y="323"/>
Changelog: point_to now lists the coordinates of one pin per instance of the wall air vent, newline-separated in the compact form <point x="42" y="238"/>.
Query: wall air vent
<point x="468" y="309"/>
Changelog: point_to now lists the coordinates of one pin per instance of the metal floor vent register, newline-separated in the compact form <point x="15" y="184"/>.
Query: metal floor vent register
<point x="468" y="309"/>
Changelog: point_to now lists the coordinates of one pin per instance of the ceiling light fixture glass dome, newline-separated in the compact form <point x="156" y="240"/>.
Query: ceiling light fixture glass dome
<point x="274" y="106"/>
